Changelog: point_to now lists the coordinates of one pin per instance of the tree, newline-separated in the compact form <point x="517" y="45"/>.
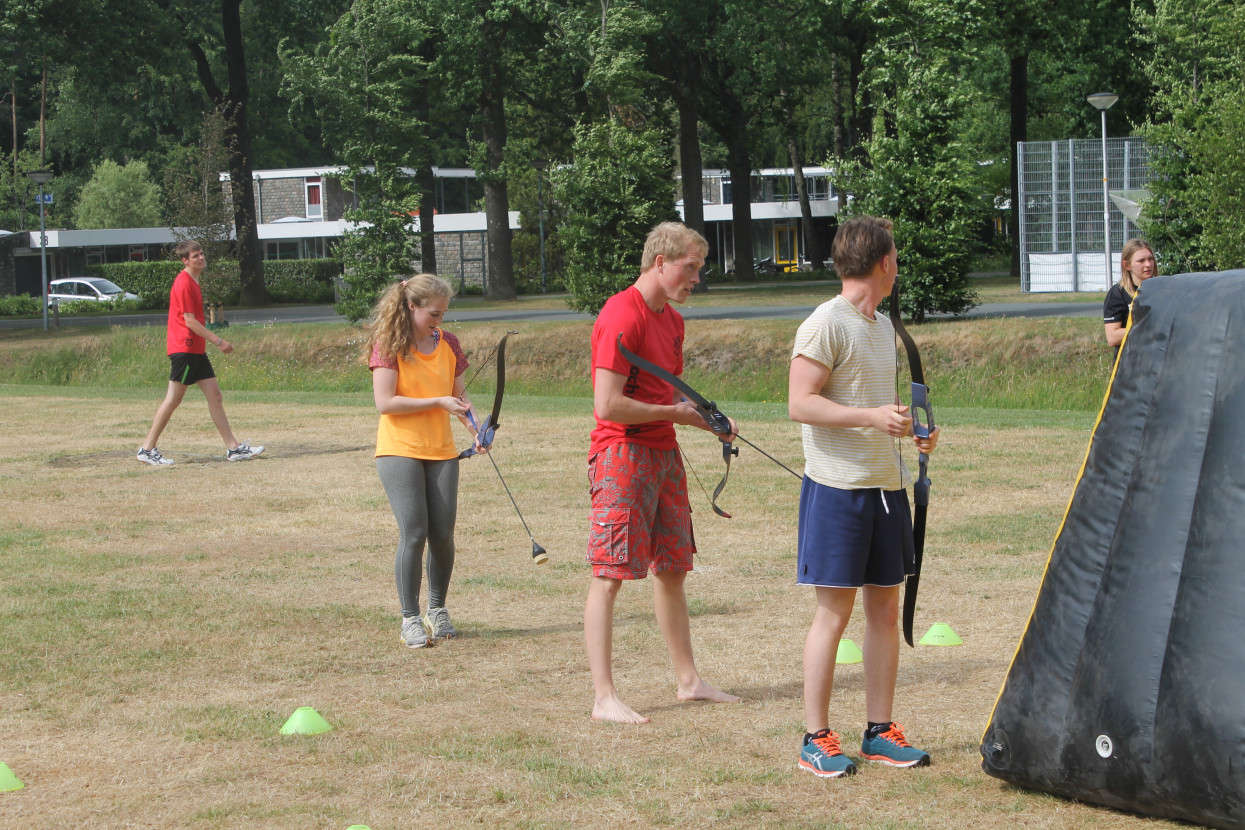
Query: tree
<point x="119" y="197"/>
<point x="198" y="210"/>
<point x="917" y="171"/>
<point x="1198" y="69"/>
<point x="619" y="186"/>
<point x="369" y="84"/>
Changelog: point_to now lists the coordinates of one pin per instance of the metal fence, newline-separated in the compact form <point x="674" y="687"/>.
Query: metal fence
<point x="1061" y="210"/>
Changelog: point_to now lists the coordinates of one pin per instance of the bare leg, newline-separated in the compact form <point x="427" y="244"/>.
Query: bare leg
<point x="216" y="406"/>
<point x="172" y="399"/>
<point x="881" y="650"/>
<point x="821" y="647"/>
<point x="599" y="637"/>
<point x="670" y="605"/>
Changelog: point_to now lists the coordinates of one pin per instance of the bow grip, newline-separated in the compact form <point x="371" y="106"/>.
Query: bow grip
<point x="920" y="403"/>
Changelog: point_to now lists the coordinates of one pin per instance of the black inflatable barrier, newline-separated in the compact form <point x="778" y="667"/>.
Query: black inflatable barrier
<point x="1128" y="686"/>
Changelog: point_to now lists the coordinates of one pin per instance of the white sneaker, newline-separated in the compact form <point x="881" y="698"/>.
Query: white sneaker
<point x="243" y="452"/>
<point x="153" y="457"/>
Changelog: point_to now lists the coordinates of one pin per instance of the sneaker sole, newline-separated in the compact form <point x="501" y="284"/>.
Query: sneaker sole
<point x="804" y="765"/>
<point x="429" y="643"/>
<point x="890" y="762"/>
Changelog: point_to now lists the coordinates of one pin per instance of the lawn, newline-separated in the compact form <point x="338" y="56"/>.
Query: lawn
<point x="161" y="625"/>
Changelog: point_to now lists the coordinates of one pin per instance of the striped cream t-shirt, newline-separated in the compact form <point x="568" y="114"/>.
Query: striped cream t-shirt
<point x="860" y="354"/>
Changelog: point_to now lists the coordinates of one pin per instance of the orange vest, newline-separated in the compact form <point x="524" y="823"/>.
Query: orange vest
<point x="425" y="435"/>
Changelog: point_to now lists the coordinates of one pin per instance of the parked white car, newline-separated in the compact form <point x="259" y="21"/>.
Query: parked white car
<point x="92" y="289"/>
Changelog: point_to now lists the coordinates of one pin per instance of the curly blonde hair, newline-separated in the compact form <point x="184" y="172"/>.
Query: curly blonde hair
<point x="391" y="324"/>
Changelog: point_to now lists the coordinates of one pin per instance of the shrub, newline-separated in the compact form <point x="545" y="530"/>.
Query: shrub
<point x="301" y="280"/>
<point x="151" y="281"/>
<point x="19" y="304"/>
<point x="111" y="306"/>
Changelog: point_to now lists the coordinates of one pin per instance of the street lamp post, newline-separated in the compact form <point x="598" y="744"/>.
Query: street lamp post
<point x="540" y="165"/>
<point x="42" y="177"/>
<point x="1103" y="101"/>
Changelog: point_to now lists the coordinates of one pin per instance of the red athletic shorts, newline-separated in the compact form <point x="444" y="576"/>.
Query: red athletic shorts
<point x="641" y="518"/>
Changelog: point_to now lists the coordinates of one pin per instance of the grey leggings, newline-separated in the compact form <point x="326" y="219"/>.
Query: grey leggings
<point x="424" y="498"/>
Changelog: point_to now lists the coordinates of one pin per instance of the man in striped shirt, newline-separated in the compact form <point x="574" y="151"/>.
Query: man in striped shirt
<point x="855" y="524"/>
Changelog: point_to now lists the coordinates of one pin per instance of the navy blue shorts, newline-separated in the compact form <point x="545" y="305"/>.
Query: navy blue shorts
<point x="188" y="369"/>
<point x="851" y="538"/>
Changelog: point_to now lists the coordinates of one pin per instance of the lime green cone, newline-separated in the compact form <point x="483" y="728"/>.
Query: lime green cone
<point x="940" y="634"/>
<point x="849" y="652"/>
<point x="8" y="781"/>
<point x="305" y="721"/>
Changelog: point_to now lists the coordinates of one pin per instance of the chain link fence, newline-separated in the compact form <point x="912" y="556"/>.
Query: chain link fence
<point x="1061" y="210"/>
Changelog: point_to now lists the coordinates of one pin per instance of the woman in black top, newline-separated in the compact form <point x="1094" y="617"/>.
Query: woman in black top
<point x="1136" y="265"/>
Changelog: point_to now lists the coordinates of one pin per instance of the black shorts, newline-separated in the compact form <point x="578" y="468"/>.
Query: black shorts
<point x="189" y="369"/>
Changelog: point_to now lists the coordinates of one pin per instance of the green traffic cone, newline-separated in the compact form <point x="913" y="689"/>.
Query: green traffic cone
<point x="305" y="721"/>
<point x="940" y="634"/>
<point x="849" y="652"/>
<point x="8" y="781"/>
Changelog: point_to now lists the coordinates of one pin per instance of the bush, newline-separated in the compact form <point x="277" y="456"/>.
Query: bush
<point x="301" y="280"/>
<point x="151" y="281"/>
<point x="111" y="306"/>
<point x="19" y="304"/>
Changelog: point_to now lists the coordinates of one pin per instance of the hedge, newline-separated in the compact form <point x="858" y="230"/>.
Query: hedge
<point x="288" y="280"/>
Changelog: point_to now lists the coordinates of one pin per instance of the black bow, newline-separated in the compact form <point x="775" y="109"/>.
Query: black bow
<point x="486" y="431"/>
<point x="920" y="487"/>
<point x="717" y="421"/>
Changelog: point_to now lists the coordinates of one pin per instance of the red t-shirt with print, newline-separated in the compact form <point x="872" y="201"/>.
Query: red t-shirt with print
<point x="186" y="297"/>
<point x="650" y="335"/>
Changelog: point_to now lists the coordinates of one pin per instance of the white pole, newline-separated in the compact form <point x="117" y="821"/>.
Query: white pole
<point x="1106" y="203"/>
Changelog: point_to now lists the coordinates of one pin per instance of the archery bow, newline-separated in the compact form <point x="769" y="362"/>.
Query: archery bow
<point x="920" y="487"/>
<point x="486" y="431"/>
<point x="717" y="421"/>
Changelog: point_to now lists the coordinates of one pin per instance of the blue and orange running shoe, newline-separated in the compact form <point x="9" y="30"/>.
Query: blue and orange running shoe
<point x="822" y="755"/>
<point x="892" y="748"/>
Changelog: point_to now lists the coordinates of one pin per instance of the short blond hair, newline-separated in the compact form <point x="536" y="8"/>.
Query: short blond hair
<point x="671" y="240"/>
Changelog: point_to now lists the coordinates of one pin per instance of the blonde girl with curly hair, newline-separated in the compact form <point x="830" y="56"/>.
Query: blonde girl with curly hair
<point x="417" y="383"/>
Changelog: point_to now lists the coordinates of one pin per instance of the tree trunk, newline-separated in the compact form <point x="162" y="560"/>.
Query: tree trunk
<point x="238" y="146"/>
<point x="836" y="108"/>
<point x="1019" y="101"/>
<point x="740" y="164"/>
<point x="690" y="160"/>
<point x="427" y="183"/>
<point x="496" y="198"/>
<point x="43" y="117"/>
<point x="811" y="239"/>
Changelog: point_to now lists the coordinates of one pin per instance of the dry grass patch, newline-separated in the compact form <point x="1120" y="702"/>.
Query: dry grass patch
<point x="160" y="625"/>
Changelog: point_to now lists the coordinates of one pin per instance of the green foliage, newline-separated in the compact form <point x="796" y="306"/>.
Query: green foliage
<point x="619" y="186"/>
<point x="301" y="280"/>
<point x="119" y="197"/>
<point x="151" y="281"/>
<point x="1197" y="66"/>
<point x="918" y="172"/>
<point x="362" y="81"/>
<point x="19" y="304"/>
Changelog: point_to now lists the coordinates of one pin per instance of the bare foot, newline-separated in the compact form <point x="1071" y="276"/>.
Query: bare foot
<point x="613" y="709"/>
<point x="703" y="691"/>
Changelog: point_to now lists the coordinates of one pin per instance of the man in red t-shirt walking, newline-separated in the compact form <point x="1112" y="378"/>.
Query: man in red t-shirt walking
<point x="641" y="519"/>
<point x="187" y="350"/>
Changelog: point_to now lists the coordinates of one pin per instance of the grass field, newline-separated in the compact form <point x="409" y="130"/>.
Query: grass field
<point x="161" y="624"/>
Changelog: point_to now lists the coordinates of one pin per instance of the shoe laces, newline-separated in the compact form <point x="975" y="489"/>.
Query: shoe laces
<point x="895" y="735"/>
<point x="827" y="742"/>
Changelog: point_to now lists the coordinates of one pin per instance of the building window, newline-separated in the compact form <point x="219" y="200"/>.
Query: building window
<point x="314" y="210"/>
